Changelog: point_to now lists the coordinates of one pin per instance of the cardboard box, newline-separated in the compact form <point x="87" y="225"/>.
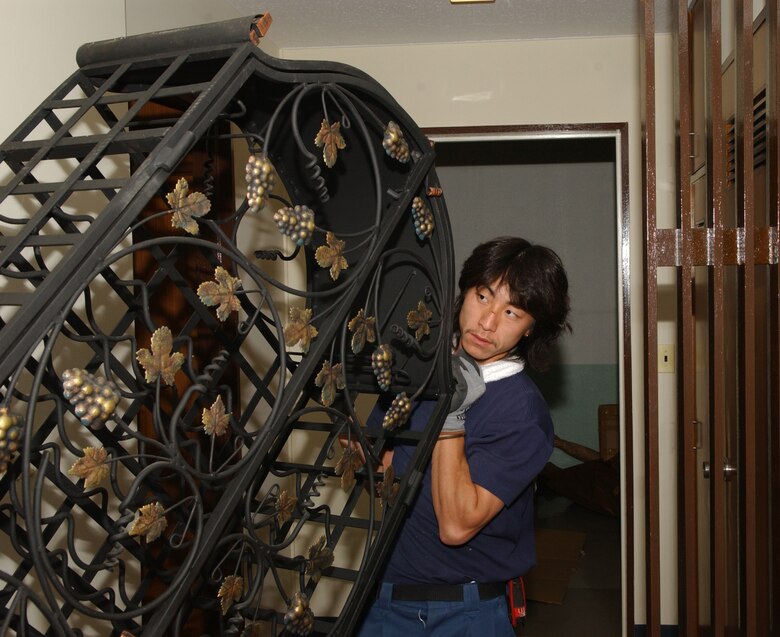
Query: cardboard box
<point x="557" y="552"/>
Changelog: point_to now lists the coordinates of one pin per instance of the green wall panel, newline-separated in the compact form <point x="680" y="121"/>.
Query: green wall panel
<point x="574" y="393"/>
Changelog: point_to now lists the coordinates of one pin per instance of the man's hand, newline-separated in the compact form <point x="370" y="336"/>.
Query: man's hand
<point x="462" y="508"/>
<point x="469" y="387"/>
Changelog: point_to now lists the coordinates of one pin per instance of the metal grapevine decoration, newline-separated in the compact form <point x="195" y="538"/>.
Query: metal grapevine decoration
<point x="10" y="437"/>
<point x="93" y="399"/>
<point x="260" y="181"/>
<point x="332" y="256"/>
<point x="221" y="292"/>
<point x="329" y="138"/>
<point x="285" y="504"/>
<point x="382" y="363"/>
<point x="299" y="618"/>
<point x="363" y="330"/>
<point x="296" y="222"/>
<point x="230" y="591"/>
<point x="419" y="321"/>
<point x="160" y="363"/>
<point x="388" y="487"/>
<point x="348" y="464"/>
<point x="320" y="558"/>
<point x="395" y="144"/>
<point x="187" y="206"/>
<point x="398" y="413"/>
<point x="423" y="219"/>
<point x="299" y="330"/>
<point x="330" y="379"/>
<point x="215" y="420"/>
<point x="92" y="467"/>
<point x="149" y="522"/>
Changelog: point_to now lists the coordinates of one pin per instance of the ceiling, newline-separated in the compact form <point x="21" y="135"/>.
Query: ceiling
<point x="321" y="23"/>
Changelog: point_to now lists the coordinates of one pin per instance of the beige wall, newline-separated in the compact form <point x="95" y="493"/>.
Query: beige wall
<point x="145" y="16"/>
<point x="38" y="43"/>
<point x="535" y="82"/>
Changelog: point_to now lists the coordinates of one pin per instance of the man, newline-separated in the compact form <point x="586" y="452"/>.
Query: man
<point x="470" y="530"/>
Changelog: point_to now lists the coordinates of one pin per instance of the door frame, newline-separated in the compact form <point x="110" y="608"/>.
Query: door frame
<point x="619" y="133"/>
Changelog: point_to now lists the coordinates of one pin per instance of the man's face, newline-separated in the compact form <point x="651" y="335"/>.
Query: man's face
<point x="490" y="326"/>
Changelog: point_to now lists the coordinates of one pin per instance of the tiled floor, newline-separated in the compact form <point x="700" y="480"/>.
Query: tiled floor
<point x="591" y="606"/>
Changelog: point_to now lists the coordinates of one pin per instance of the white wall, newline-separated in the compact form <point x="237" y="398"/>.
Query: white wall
<point x="38" y="43"/>
<point x="556" y="82"/>
<point x="145" y="16"/>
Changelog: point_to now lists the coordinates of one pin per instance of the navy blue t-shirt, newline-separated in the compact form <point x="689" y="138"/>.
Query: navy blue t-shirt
<point x="509" y="438"/>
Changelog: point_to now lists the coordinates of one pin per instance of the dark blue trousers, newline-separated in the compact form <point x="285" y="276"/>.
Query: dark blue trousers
<point x="472" y="617"/>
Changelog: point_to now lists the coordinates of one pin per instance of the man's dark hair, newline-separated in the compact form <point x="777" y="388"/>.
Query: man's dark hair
<point x="537" y="284"/>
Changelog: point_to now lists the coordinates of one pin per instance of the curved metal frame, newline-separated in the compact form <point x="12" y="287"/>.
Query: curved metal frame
<point x="183" y="511"/>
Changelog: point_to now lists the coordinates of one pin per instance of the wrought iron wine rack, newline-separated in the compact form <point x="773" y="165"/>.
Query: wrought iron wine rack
<point x="172" y="402"/>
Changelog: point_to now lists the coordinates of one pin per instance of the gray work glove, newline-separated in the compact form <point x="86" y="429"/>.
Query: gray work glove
<point x="468" y="388"/>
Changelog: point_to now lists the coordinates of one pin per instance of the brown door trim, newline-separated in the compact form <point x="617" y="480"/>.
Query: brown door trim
<point x="688" y="574"/>
<point x="650" y="336"/>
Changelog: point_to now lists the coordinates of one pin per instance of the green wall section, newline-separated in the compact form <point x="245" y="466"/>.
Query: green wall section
<point x="574" y="393"/>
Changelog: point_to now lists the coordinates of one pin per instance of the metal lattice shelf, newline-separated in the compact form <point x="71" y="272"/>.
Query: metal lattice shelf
<point x="215" y="454"/>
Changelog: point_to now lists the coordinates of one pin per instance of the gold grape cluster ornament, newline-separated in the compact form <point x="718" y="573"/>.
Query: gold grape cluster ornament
<point x="299" y="618"/>
<point x="398" y="413"/>
<point x="10" y="437"/>
<point x="93" y="399"/>
<point x="296" y="222"/>
<point x="382" y="364"/>
<point x="423" y="219"/>
<point x="260" y="181"/>
<point x="395" y="144"/>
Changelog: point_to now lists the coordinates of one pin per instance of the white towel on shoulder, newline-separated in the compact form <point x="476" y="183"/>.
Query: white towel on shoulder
<point x="502" y="369"/>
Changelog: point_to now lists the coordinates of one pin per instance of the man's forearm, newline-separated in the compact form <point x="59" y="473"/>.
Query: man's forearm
<point x="462" y="507"/>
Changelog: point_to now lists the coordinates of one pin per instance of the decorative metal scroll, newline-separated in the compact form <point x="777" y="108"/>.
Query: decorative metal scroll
<point x="147" y="488"/>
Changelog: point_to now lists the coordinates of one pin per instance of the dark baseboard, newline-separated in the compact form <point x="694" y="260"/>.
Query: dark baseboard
<point x="668" y="630"/>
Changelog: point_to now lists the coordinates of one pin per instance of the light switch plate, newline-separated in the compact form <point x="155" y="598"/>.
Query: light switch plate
<point x="666" y="359"/>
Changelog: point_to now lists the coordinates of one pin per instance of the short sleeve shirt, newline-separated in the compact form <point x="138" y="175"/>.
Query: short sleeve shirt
<point x="509" y="438"/>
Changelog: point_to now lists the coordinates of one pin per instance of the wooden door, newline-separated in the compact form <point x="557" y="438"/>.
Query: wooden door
<point x="725" y="250"/>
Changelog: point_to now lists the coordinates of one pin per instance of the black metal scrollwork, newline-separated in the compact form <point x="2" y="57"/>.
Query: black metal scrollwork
<point x="149" y="483"/>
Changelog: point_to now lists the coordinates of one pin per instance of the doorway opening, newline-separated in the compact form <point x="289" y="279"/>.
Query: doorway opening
<point x="565" y="187"/>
